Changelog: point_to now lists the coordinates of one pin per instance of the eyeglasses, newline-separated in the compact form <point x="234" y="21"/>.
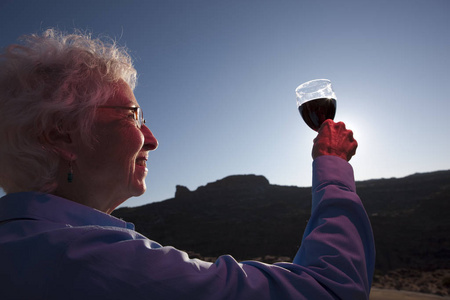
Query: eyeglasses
<point x="138" y="114"/>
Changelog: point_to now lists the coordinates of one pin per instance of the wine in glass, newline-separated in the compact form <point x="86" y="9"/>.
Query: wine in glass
<point x="316" y="102"/>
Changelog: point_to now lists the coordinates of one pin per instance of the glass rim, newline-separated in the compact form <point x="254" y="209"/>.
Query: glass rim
<point x="314" y="89"/>
<point x="310" y="83"/>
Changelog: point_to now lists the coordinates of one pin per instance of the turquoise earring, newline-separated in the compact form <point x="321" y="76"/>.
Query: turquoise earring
<point x="70" y="173"/>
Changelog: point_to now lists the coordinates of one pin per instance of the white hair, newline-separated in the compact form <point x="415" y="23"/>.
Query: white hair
<point x="52" y="83"/>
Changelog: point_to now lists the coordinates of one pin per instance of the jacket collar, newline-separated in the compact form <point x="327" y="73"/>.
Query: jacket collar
<point x="39" y="206"/>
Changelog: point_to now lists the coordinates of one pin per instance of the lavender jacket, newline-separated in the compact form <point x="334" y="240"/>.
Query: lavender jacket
<point x="53" y="248"/>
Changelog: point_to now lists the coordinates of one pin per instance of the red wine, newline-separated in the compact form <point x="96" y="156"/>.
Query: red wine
<point x="316" y="111"/>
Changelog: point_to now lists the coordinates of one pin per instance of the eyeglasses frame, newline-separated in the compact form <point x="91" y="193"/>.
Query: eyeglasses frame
<point x="138" y="113"/>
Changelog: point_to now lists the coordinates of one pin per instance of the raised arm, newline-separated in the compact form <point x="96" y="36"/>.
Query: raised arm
<point x="338" y="247"/>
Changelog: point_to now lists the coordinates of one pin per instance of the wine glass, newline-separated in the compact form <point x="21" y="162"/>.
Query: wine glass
<point x="316" y="102"/>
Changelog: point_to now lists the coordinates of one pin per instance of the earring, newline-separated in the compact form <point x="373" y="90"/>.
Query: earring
<point x="70" y="173"/>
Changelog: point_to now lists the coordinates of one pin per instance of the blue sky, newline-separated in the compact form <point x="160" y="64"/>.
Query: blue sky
<point x="217" y="80"/>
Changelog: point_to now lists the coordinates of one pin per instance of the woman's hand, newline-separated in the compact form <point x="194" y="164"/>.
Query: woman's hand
<point x="334" y="139"/>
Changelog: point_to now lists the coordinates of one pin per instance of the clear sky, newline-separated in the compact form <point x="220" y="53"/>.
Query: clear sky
<point x="217" y="80"/>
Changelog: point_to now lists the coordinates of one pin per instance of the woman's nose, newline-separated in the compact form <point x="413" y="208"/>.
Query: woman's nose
<point x="150" y="142"/>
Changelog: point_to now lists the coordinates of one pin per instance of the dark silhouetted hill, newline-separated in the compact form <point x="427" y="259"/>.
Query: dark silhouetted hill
<point x="249" y="218"/>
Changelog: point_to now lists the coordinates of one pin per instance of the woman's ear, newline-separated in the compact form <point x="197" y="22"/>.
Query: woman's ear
<point x="60" y="143"/>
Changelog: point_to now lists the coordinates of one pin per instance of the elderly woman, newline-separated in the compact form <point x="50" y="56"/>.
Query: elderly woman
<point x="73" y="146"/>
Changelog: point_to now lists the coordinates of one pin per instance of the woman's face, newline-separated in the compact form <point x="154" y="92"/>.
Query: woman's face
<point x="115" y="167"/>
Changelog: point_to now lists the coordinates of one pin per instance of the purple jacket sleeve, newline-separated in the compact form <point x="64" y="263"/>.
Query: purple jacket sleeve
<point x="338" y="246"/>
<point x="335" y="260"/>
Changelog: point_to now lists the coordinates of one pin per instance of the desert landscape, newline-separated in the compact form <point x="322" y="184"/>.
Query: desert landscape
<point x="409" y="218"/>
<point x="388" y="294"/>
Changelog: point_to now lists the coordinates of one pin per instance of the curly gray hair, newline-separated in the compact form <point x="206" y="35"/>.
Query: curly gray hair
<point x="51" y="83"/>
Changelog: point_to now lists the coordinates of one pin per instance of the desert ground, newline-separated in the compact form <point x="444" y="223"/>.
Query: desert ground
<point x="387" y="294"/>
